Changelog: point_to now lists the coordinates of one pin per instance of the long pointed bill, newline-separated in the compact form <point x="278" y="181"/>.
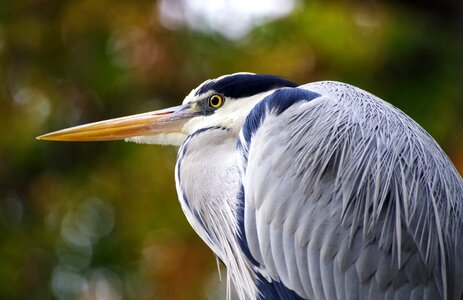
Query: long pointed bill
<point x="168" y="120"/>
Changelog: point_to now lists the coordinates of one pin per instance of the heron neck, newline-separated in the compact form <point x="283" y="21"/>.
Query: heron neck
<point x="208" y="182"/>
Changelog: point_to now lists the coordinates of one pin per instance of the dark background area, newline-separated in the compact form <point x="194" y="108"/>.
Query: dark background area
<point x="102" y="220"/>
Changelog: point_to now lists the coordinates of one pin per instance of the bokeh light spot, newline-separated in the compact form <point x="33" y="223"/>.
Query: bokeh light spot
<point x="232" y="19"/>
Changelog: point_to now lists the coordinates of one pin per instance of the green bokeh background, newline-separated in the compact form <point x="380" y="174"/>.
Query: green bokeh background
<point x="96" y="220"/>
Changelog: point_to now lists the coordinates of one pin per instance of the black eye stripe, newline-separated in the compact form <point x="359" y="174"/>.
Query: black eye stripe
<point x="243" y="85"/>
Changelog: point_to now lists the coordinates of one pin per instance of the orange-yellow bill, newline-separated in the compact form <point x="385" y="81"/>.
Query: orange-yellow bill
<point x="150" y="123"/>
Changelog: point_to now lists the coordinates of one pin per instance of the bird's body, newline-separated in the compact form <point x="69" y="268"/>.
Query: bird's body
<point x="321" y="191"/>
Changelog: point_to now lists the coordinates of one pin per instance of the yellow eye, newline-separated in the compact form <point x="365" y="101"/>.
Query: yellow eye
<point x="216" y="101"/>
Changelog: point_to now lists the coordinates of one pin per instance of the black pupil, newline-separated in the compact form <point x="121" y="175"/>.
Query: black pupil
<point x="215" y="101"/>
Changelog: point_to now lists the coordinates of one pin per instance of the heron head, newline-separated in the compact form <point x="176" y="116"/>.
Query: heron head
<point x="222" y="102"/>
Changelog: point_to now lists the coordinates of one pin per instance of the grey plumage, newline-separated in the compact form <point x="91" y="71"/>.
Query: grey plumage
<point x="365" y="172"/>
<point x="346" y="197"/>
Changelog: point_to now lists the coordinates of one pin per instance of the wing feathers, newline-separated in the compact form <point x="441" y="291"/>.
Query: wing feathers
<point x="348" y="198"/>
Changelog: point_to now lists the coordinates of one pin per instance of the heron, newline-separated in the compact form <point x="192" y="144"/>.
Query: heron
<point x="314" y="191"/>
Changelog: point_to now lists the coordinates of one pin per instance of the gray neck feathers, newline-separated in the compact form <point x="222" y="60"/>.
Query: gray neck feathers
<point x="207" y="184"/>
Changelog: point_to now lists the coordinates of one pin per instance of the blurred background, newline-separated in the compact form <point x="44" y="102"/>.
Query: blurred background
<point x="102" y="220"/>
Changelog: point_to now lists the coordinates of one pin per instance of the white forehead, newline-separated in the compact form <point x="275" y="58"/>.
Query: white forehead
<point x="192" y="97"/>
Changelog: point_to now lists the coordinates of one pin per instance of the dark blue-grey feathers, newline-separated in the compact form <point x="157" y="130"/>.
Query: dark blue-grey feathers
<point x="279" y="101"/>
<point x="244" y="85"/>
